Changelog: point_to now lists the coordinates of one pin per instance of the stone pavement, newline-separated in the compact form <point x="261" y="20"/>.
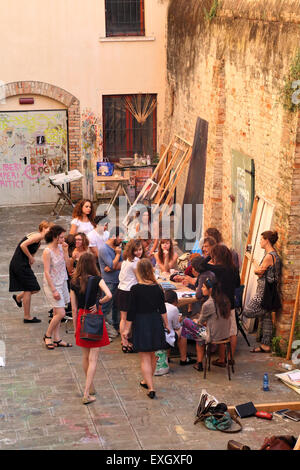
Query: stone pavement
<point x="40" y="390"/>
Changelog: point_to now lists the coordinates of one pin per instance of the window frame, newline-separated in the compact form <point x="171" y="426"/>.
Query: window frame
<point x="129" y="129"/>
<point x="110" y="34"/>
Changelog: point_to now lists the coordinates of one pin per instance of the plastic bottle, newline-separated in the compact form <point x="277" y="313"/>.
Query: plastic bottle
<point x="285" y="366"/>
<point x="266" y="383"/>
<point x="157" y="272"/>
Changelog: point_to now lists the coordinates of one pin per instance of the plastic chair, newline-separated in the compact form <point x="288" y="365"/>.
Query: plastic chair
<point x="207" y="355"/>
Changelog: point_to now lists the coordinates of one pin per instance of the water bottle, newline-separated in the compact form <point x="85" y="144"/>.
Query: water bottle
<point x="157" y="272"/>
<point x="285" y="366"/>
<point x="266" y="383"/>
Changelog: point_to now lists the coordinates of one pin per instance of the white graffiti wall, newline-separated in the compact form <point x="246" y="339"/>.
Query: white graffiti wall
<point x="33" y="146"/>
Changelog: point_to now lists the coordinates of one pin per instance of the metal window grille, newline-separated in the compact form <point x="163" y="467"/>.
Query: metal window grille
<point x="123" y="136"/>
<point x="124" y="17"/>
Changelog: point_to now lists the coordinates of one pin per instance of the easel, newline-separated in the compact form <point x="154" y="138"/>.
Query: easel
<point x="156" y="191"/>
<point x="58" y="181"/>
<point x="121" y="186"/>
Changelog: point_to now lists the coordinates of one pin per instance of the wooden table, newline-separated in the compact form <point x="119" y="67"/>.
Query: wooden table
<point x="179" y="288"/>
<point x="122" y="183"/>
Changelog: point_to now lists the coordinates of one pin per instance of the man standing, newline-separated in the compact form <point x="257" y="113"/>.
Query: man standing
<point x="110" y="259"/>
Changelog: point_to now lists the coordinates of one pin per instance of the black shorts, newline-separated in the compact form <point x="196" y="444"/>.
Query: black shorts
<point x="123" y="297"/>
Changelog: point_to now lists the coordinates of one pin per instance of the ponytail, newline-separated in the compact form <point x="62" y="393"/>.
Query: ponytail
<point x="54" y="232"/>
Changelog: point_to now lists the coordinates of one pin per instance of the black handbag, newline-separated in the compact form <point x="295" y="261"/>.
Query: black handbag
<point x="271" y="299"/>
<point x="91" y="324"/>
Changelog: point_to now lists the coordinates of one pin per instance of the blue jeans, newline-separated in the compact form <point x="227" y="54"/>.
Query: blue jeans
<point x="112" y="305"/>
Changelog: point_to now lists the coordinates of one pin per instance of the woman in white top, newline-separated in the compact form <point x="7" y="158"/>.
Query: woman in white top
<point x="83" y="217"/>
<point x="56" y="260"/>
<point x="134" y="251"/>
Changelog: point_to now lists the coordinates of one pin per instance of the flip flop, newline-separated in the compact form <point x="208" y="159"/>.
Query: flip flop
<point x="260" y="350"/>
<point x="87" y="400"/>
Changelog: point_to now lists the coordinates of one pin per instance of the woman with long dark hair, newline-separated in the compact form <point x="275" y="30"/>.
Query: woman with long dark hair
<point x="133" y="252"/>
<point x="214" y="315"/>
<point x="147" y="316"/>
<point x="21" y="276"/>
<point x="83" y="217"/>
<point x="86" y="268"/>
<point x="269" y="268"/>
<point x="56" y="260"/>
<point x="166" y="258"/>
<point x="221" y="264"/>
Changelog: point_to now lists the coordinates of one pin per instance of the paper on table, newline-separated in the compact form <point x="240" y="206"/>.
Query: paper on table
<point x="184" y="294"/>
<point x="294" y="376"/>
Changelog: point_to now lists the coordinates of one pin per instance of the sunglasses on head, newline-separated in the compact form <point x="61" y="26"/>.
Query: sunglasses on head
<point x="210" y="283"/>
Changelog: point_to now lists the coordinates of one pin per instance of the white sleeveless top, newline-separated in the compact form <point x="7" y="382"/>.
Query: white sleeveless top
<point x="58" y="270"/>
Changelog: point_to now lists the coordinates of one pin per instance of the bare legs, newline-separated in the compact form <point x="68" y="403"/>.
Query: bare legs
<point x="89" y="363"/>
<point x="148" y="366"/>
<point x="54" y="326"/>
<point x="122" y="327"/>
<point x="25" y="297"/>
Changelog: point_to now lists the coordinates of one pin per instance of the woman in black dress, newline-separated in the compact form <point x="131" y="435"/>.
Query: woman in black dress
<point x="147" y="317"/>
<point x="21" y="276"/>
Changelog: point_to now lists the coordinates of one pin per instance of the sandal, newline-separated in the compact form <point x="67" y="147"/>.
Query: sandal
<point x="143" y="385"/>
<point x="130" y="349"/>
<point x="124" y="349"/>
<point x="260" y="350"/>
<point x="49" y="345"/>
<point x="87" y="400"/>
<point x="58" y="345"/>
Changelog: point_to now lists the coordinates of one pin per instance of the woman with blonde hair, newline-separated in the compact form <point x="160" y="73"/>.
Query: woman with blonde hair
<point x="83" y="217"/>
<point x="21" y="276"/>
<point x="147" y="318"/>
<point x="86" y="271"/>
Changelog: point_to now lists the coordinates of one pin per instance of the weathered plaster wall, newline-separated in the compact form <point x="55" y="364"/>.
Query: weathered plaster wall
<point x="229" y="72"/>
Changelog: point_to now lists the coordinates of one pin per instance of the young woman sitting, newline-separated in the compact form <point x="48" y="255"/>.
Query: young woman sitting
<point x="215" y="315"/>
<point x="166" y="258"/>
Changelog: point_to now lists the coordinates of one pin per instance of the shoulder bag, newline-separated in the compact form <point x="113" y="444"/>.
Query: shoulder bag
<point x="91" y="324"/>
<point x="271" y="299"/>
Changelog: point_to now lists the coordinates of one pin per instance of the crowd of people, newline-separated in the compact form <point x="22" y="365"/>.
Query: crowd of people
<point x="124" y="288"/>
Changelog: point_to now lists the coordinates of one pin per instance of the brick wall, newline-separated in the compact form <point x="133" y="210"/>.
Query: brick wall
<point x="229" y="72"/>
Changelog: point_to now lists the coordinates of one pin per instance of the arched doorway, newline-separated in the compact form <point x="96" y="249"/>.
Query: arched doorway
<point x="37" y="140"/>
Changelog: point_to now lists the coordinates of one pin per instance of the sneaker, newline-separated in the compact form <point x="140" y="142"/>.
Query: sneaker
<point x="163" y="371"/>
<point x="112" y="333"/>
<point x="188" y="361"/>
